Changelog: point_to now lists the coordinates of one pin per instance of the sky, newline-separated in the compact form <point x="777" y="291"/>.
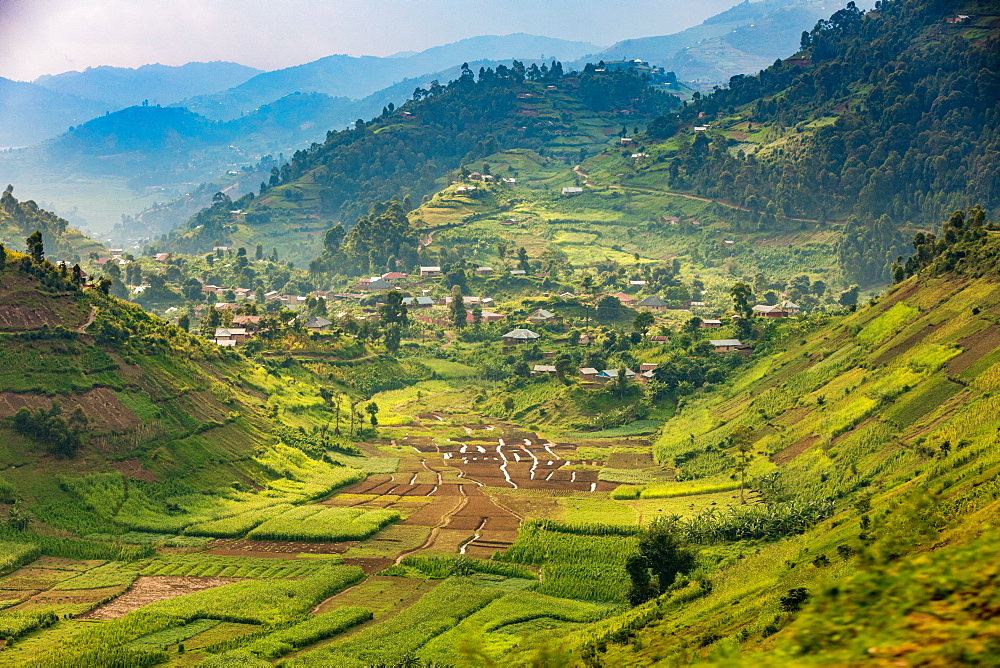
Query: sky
<point x="52" y="36"/>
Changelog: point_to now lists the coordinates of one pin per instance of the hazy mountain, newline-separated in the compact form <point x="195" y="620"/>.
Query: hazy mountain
<point x="740" y="40"/>
<point x="358" y="77"/>
<point x="159" y="84"/>
<point x="30" y="113"/>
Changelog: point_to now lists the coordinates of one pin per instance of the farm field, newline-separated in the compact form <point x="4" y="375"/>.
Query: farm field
<point x="321" y="581"/>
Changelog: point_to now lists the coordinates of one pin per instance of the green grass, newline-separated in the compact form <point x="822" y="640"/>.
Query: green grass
<point x="321" y="523"/>
<point x="403" y="635"/>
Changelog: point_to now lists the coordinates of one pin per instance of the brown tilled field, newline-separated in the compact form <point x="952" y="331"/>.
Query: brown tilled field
<point x="105" y="410"/>
<point x="150" y="589"/>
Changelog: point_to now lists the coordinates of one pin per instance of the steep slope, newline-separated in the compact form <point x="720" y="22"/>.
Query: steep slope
<point x="120" y="87"/>
<point x="890" y="113"/>
<point x="889" y="414"/>
<point x="408" y="150"/>
<point x="20" y="219"/>
<point x="357" y="77"/>
<point x="30" y="113"/>
<point x="96" y="392"/>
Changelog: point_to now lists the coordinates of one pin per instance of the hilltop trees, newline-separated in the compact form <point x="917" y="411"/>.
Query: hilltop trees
<point x="661" y="557"/>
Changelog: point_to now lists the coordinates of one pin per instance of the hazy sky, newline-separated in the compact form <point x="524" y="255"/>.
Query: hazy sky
<point x="51" y="36"/>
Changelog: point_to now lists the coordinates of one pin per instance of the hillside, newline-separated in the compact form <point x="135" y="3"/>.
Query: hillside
<point x="888" y="413"/>
<point x="418" y="143"/>
<point x="20" y="219"/>
<point x="853" y="125"/>
<point x="120" y="87"/>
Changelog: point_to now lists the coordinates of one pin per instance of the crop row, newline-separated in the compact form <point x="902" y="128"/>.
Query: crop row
<point x="237" y="567"/>
<point x="443" y="567"/>
<point x="400" y="637"/>
<point x="277" y="643"/>
<point x="323" y="523"/>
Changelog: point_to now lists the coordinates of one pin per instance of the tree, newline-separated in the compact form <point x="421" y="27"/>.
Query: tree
<point x="184" y="322"/>
<point x="741" y="294"/>
<point x="3" y="257"/>
<point x="34" y="246"/>
<point x="693" y="325"/>
<point x="849" y="297"/>
<point x="259" y="253"/>
<point x="522" y="259"/>
<point x="394" y="310"/>
<point x="742" y="439"/>
<point x="458" y="311"/>
<point x="372" y="410"/>
<point x="642" y="322"/>
<point x="608" y="308"/>
<point x="661" y="557"/>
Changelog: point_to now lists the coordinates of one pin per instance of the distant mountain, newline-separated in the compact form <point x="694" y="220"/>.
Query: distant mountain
<point x="30" y="113"/>
<point x="121" y="87"/>
<point x="357" y="77"/>
<point x="741" y="40"/>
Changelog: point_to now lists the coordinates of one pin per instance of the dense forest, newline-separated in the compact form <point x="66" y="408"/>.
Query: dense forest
<point x="890" y="112"/>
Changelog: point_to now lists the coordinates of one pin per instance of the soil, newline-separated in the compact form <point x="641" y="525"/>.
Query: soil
<point x="105" y="411"/>
<point x="794" y="450"/>
<point x="150" y="589"/>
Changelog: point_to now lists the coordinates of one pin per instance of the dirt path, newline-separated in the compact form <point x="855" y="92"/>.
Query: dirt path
<point x="435" y="530"/>
<point x="586" y="178"/>
<point x="426" y="241"/>
<point x="82" y="329"/>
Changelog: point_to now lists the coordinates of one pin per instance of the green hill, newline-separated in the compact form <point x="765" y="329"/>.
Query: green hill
<point x="858" y="123"/>
<point x="20" y="219"/>
<point x="408" y="151"/>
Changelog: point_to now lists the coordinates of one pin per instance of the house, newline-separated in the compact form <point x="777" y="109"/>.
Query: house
<point x="648" y="366"/>
<point x="701" y="128"/>
<point x="225" y="343"/>
<point x="791" y="308"/>
<point x="426" y="272"/>
<point x="637" y="284"/>
<point x="627" y="141"/>
<point x="639" y="156"/>
<point x="248" y="322"/>
<point x="464" y="190"/>
<point x="315" y="323"/>
<point x="624" y="298"/>
<point x="518" y="272"/>
<point x="484" y="271"/>
<point x="509" y="221"/>
<point x="726" y="345"/>
<point x="211" y="289"/>
<point x="540" y="316"/>
<point x="394" y="276"/>
<point x="567" y="295"/>
<point x="585" y="340"/>
<point x="374" y="283"/>
<point x="162" y="257"/>
<point x="418" y="302"/>
<point x="729" y="242"/>
<point x="660" y="340"/>
<point x="646" y="376"/>
<point x="271" y="296"/>
<point x="767" y="311"/>
<point x="611" y="374"/>
<point x="234" y="334"/>
<point x="589" y="374"/>
<point x="673" y="220"/>
<point x="511" y="181"/>
<point x="516" y="337"/>
<point x="569" y="191"/>
<point x="961" y="18"/>
<point x="539" y="369"/>
<point x="475" y="176"/>
<point x="696" y="304"/>
<point x="652" y="303"/>
<point x="706" y="324"/>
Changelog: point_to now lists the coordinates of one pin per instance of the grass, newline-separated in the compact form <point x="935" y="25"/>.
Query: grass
<point x="320" y="523"/>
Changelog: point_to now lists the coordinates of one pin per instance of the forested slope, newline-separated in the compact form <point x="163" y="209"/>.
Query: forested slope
<point x="893" y="112"/>
<point x="20" y="219"/>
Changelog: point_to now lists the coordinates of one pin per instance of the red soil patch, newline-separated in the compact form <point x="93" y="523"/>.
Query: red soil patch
<point x="976" y="346"/>
<point x="794" y="450"/>
<point x="105" y="410"/>
<point x="370" y="565"/>
<point x="21" y="316"/>
<point x="131" y="468"/>
<point x="910" y="341"/>
<point x="630" y="460"/>
<point x="150" y="589"/>
<point x="269" y="548"/>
